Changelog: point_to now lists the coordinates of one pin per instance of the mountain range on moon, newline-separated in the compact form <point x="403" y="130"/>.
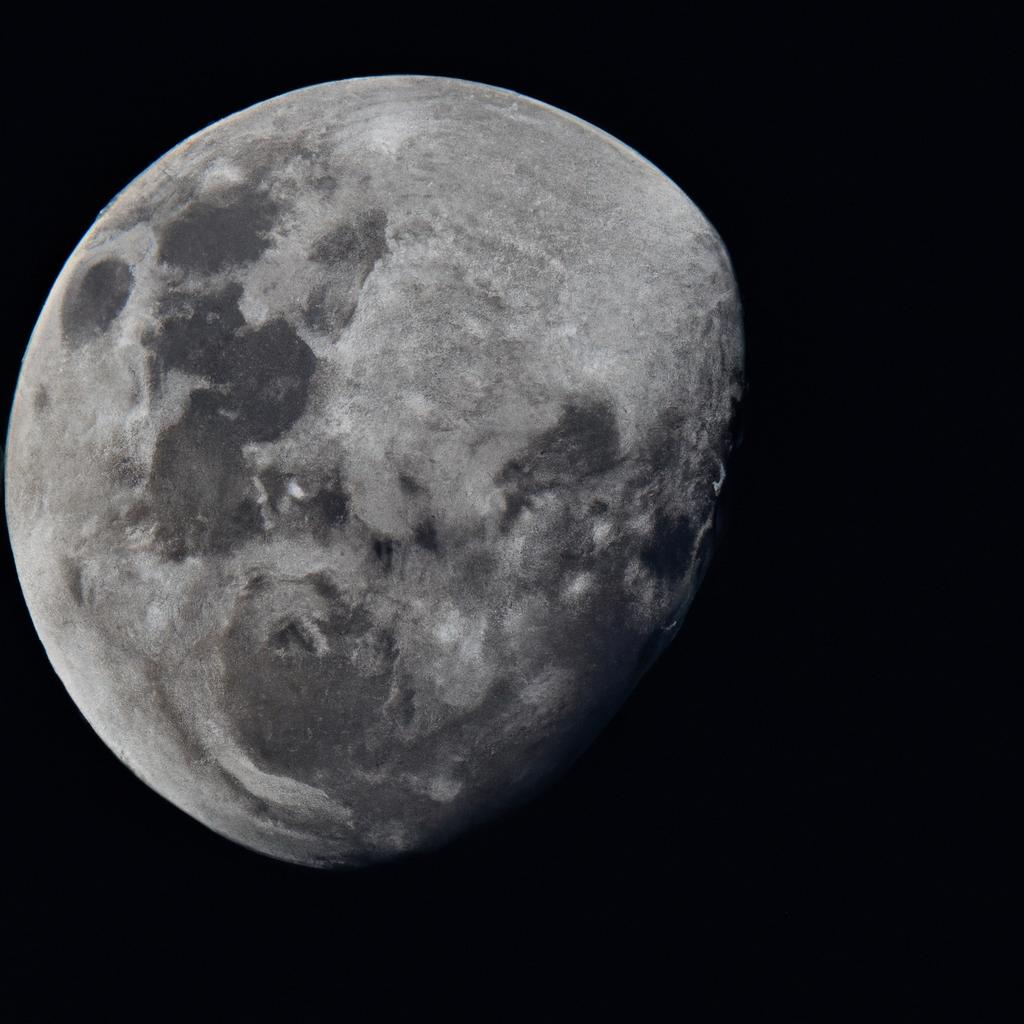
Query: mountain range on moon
<point x="365" y="454"/>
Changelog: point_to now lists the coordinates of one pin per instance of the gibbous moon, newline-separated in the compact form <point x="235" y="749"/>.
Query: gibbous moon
<point x="365" y="454"/>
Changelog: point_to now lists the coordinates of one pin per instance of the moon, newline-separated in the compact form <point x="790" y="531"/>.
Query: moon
<point x="365" y="454"/>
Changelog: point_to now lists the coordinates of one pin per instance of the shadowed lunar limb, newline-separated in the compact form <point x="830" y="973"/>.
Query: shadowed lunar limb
<point x="366" y="453"/>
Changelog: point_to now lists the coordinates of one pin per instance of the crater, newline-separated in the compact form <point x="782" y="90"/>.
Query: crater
<point x="294" y="635"/>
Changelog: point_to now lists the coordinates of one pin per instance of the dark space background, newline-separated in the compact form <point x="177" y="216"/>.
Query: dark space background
<point x="807" y="806"/>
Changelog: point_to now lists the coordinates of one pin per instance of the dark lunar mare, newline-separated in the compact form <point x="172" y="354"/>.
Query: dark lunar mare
<point x="584" y="442"/>
<point x="220" y="230"/>
<point x="349" y="251"/>
<point x="301" y="661"/>
<point x="93" y="304"/>
<point x="200" y="490"/>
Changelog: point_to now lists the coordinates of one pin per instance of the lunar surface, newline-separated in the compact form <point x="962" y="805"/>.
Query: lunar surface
<point x="366" y="453"/>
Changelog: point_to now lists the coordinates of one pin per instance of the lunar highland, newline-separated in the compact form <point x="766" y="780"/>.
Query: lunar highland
<point x="366" y="453"/>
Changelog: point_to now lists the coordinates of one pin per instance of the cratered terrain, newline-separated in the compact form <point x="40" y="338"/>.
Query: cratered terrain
<point x="366" y="452"/>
